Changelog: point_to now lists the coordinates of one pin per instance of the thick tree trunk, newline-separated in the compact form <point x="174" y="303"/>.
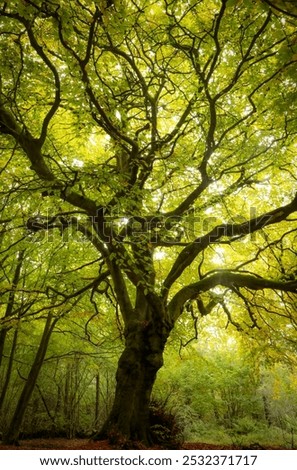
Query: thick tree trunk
<point x="136" y="374"/>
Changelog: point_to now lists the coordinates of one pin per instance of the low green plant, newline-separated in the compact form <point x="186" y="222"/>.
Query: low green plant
<point x="165" y="429"/>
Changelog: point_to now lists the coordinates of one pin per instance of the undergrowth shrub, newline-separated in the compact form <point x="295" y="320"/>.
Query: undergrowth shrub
<point x="165" y="429"/>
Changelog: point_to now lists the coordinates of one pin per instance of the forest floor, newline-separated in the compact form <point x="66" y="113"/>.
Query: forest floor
<point x="87" y="444"/>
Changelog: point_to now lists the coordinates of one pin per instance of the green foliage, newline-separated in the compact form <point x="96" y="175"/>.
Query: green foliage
<point x="230" y="397"/>
<point x="148" y="173"/>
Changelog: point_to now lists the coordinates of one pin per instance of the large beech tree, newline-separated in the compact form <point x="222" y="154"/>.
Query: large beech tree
<point x="163" y="131"/>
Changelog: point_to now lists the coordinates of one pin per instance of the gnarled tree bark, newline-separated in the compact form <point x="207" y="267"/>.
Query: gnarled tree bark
<point x="137" y="369"/>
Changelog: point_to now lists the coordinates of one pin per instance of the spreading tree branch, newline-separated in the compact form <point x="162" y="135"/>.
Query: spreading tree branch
<point x="226" y="279"/>
<point x="190" y="252"/>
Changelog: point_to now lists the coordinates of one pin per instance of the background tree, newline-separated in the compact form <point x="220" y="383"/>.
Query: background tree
<point x="163" y="140"/>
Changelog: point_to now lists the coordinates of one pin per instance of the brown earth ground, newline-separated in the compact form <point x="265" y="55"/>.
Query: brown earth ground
<point x="87" y="444"/>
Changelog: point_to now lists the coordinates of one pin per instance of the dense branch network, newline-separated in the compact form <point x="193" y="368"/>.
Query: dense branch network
<point x="183" y="113"/>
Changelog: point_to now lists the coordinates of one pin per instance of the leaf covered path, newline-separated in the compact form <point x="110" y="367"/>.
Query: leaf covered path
<point x="87" y="444"/>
